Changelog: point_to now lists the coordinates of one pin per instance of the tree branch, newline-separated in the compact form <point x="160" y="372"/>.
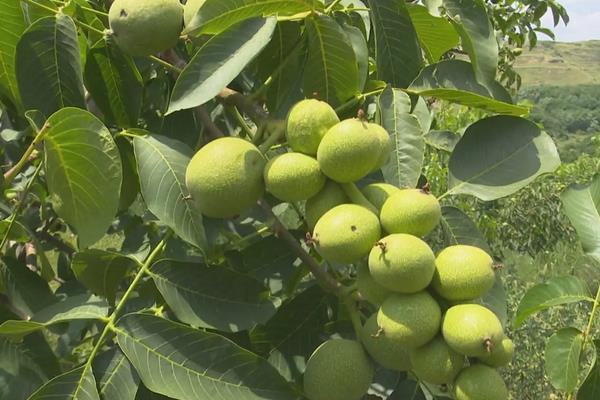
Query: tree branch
<point x="244" y="103"/>
<point x="212" y="130"/>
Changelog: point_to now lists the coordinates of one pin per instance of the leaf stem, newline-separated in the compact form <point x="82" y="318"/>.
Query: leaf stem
<point x="590" y="325"/>
<point x="14" y="171"/>
<point x="55" y="11"/>
<point x="241" y="121"/>
<point x="330" y="7"/>
<point x="273" y="138"/>
<point x="350" y="304"/>
<point x="165" y="64"/>
<point x="42" y="6"/>
<point x="356" y="196"/>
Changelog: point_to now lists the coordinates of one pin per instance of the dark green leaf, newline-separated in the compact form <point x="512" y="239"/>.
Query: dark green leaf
<point x="423" y="114"/>
<point x="555" y="292"/>
<point x="563" y="352"/>
<point x="398" y="53"/>
<point x="499" y="155"/>
<point x="49" y="67"/>
<point x="131" y="181"/>
<point x="361" y="53"/>
<point x="115" y="84"/>
<point x="77" y="384"/>
<point x="188" y="364"/>
<point x="582" y="206"/>
<point x="19" y="374"/>
<point x="406" y="161"/>
<point x="212" y="297"/>
<point x="11" y="28"/>
<point x="454" y="81"/>
<point x="331" y="70"/>
<point x="216" y="16"/>
<point x="83" y="172"/>
<point x="115" y="377"/>
<point x="590" y="389"/>
<point x="442" y="140"/>
<point x="101" y="271"/>
<point x="161" y="167"/>
<point x="219" y="61"/>
<point x="436" y="34"/>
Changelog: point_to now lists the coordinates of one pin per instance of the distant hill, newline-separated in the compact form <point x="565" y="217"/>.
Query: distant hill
<point x="562" y="64"/>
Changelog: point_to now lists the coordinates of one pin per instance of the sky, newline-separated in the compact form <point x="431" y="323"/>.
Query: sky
<point x="584" y="24"/>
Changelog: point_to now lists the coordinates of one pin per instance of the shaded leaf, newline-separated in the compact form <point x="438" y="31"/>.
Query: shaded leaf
<point x="219" y="61"/>
<point x="582" y="206"/>
<point x="454" y="81"/>
<point x="101" y="271"/>
<point x="403" y="168"/>
<point x="212" y="297"/>
<point x="11" y="28"/>
<point x="188" y="364"/>
<point x="48" y="65"/>
<point x="331" y="70"/>
<point x="398" y="53"/>
<point x="563" y="352"/>
<point x="423" y="114"/>
<point x="83" y="172"/>
<point x="19" y="374"/>
<point x="77" y="384"/>
<point x="442" y="140"/>
<point x="436" y="34"/>
<point x="161" y="166"/>
<point x="361" y="52"/>
<point x="499" y="155"/>
<point x="115" y="377"/>
<point x="590" y="389"/>
<point x="555" y="292"/>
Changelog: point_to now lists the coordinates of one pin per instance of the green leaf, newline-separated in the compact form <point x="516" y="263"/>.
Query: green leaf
<point x="19" y="374"/>
<point x="331" y="70"/>
<point x="582" y="206"/>
<point x="361" y="52"/>
<point x="188" y="364"/>
<point x="436" y="34"/>
<point x="563" y="352"/>
<point x="219" y="61"/>
<point x="423" y="114"/>
<point x="590" y="389"/>
<point x="499" y="155"/>
<point x="72" y="308"/>
<point x="215" y="16"/>
<point x="408" y="151"/>
<point x="398" y="53"/>
<point x="115" y="377"/>
<point x="477" y="35"/>
<point x="212" y="297"/>
<point x="115" y="83"/>
<point x="83" y="172"/>
<point x="49" y="67"/>
<point x="11" y="28"/>
<point x="101" y="271"/>
<point x="77" y="384"/>
<point x="555" y="292"/>
<point x="454" y="81"/>
<point x="442" y="140"/>
<point x="161" y="167"/>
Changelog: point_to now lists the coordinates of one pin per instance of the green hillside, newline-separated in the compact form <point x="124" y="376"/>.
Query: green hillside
<point x="555" y="63"/>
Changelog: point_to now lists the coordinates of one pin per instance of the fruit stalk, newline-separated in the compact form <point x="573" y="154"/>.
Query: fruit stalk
<point x="357" y="197"/>
<point x="14" y="171"/>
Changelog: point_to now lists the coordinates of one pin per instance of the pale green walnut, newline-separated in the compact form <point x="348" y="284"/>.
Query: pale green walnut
<point x="190" y="9"/>
<point x="386" y="352"/>
<point x="480" y="382"/>
<point x="349" y="151"/>
<point x="370" y="290"/>
<point x="339" y="369"/>
<point x="225" y="177"/>
<point x="411" y="211"/>
<point x="472" y="330"/>
<point x="436" y="362"/>
<point x="307" y="123"/>
<point x="410" y="319"/>
<point x="346" y="233"/>
<point x="145" y="27"/>
<point x="378" y="193"/>
<point x="330" y="196"/>
<point x="385" y="144"/>
<point x="293" y="177"/>
<point x="500" y="356"/>
<point x="463" y="273"/>
<point x="402" y="263"/>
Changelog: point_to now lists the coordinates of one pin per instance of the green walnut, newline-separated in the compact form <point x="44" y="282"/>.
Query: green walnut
<point x="293" y="177"/>
<point x="370" y="290"/>
<point x="480" y="382"/>
<point x="500" y="356"/>
<point x="330" y="196"/>
<point x="307" y="123"/>
<point x="411" y="211"/>
<point x="378" y="193"/>
<point x="346" y="233"/>
<point x="385" y="144"/>
<point x="225" y="177"/>
<point x="410" y="319"/>
<point x="472" y="330"/>
<point x="463" y="273"/>
<point x="435" y="362"/>
<point x="145" y="27"/>
<point x="190" y="9"/>
<point x="402" y="263"/>
<point x="386" y="352"/>
<point x="339" y="369"/>
<point x="349" y="151"/>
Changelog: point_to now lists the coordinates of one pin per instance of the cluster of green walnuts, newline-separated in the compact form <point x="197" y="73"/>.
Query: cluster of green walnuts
<point x="428" y="321"/>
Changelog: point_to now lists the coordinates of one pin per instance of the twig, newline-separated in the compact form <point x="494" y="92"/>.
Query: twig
<point x="245" y="104"/>
<point x="212" y="130"/>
